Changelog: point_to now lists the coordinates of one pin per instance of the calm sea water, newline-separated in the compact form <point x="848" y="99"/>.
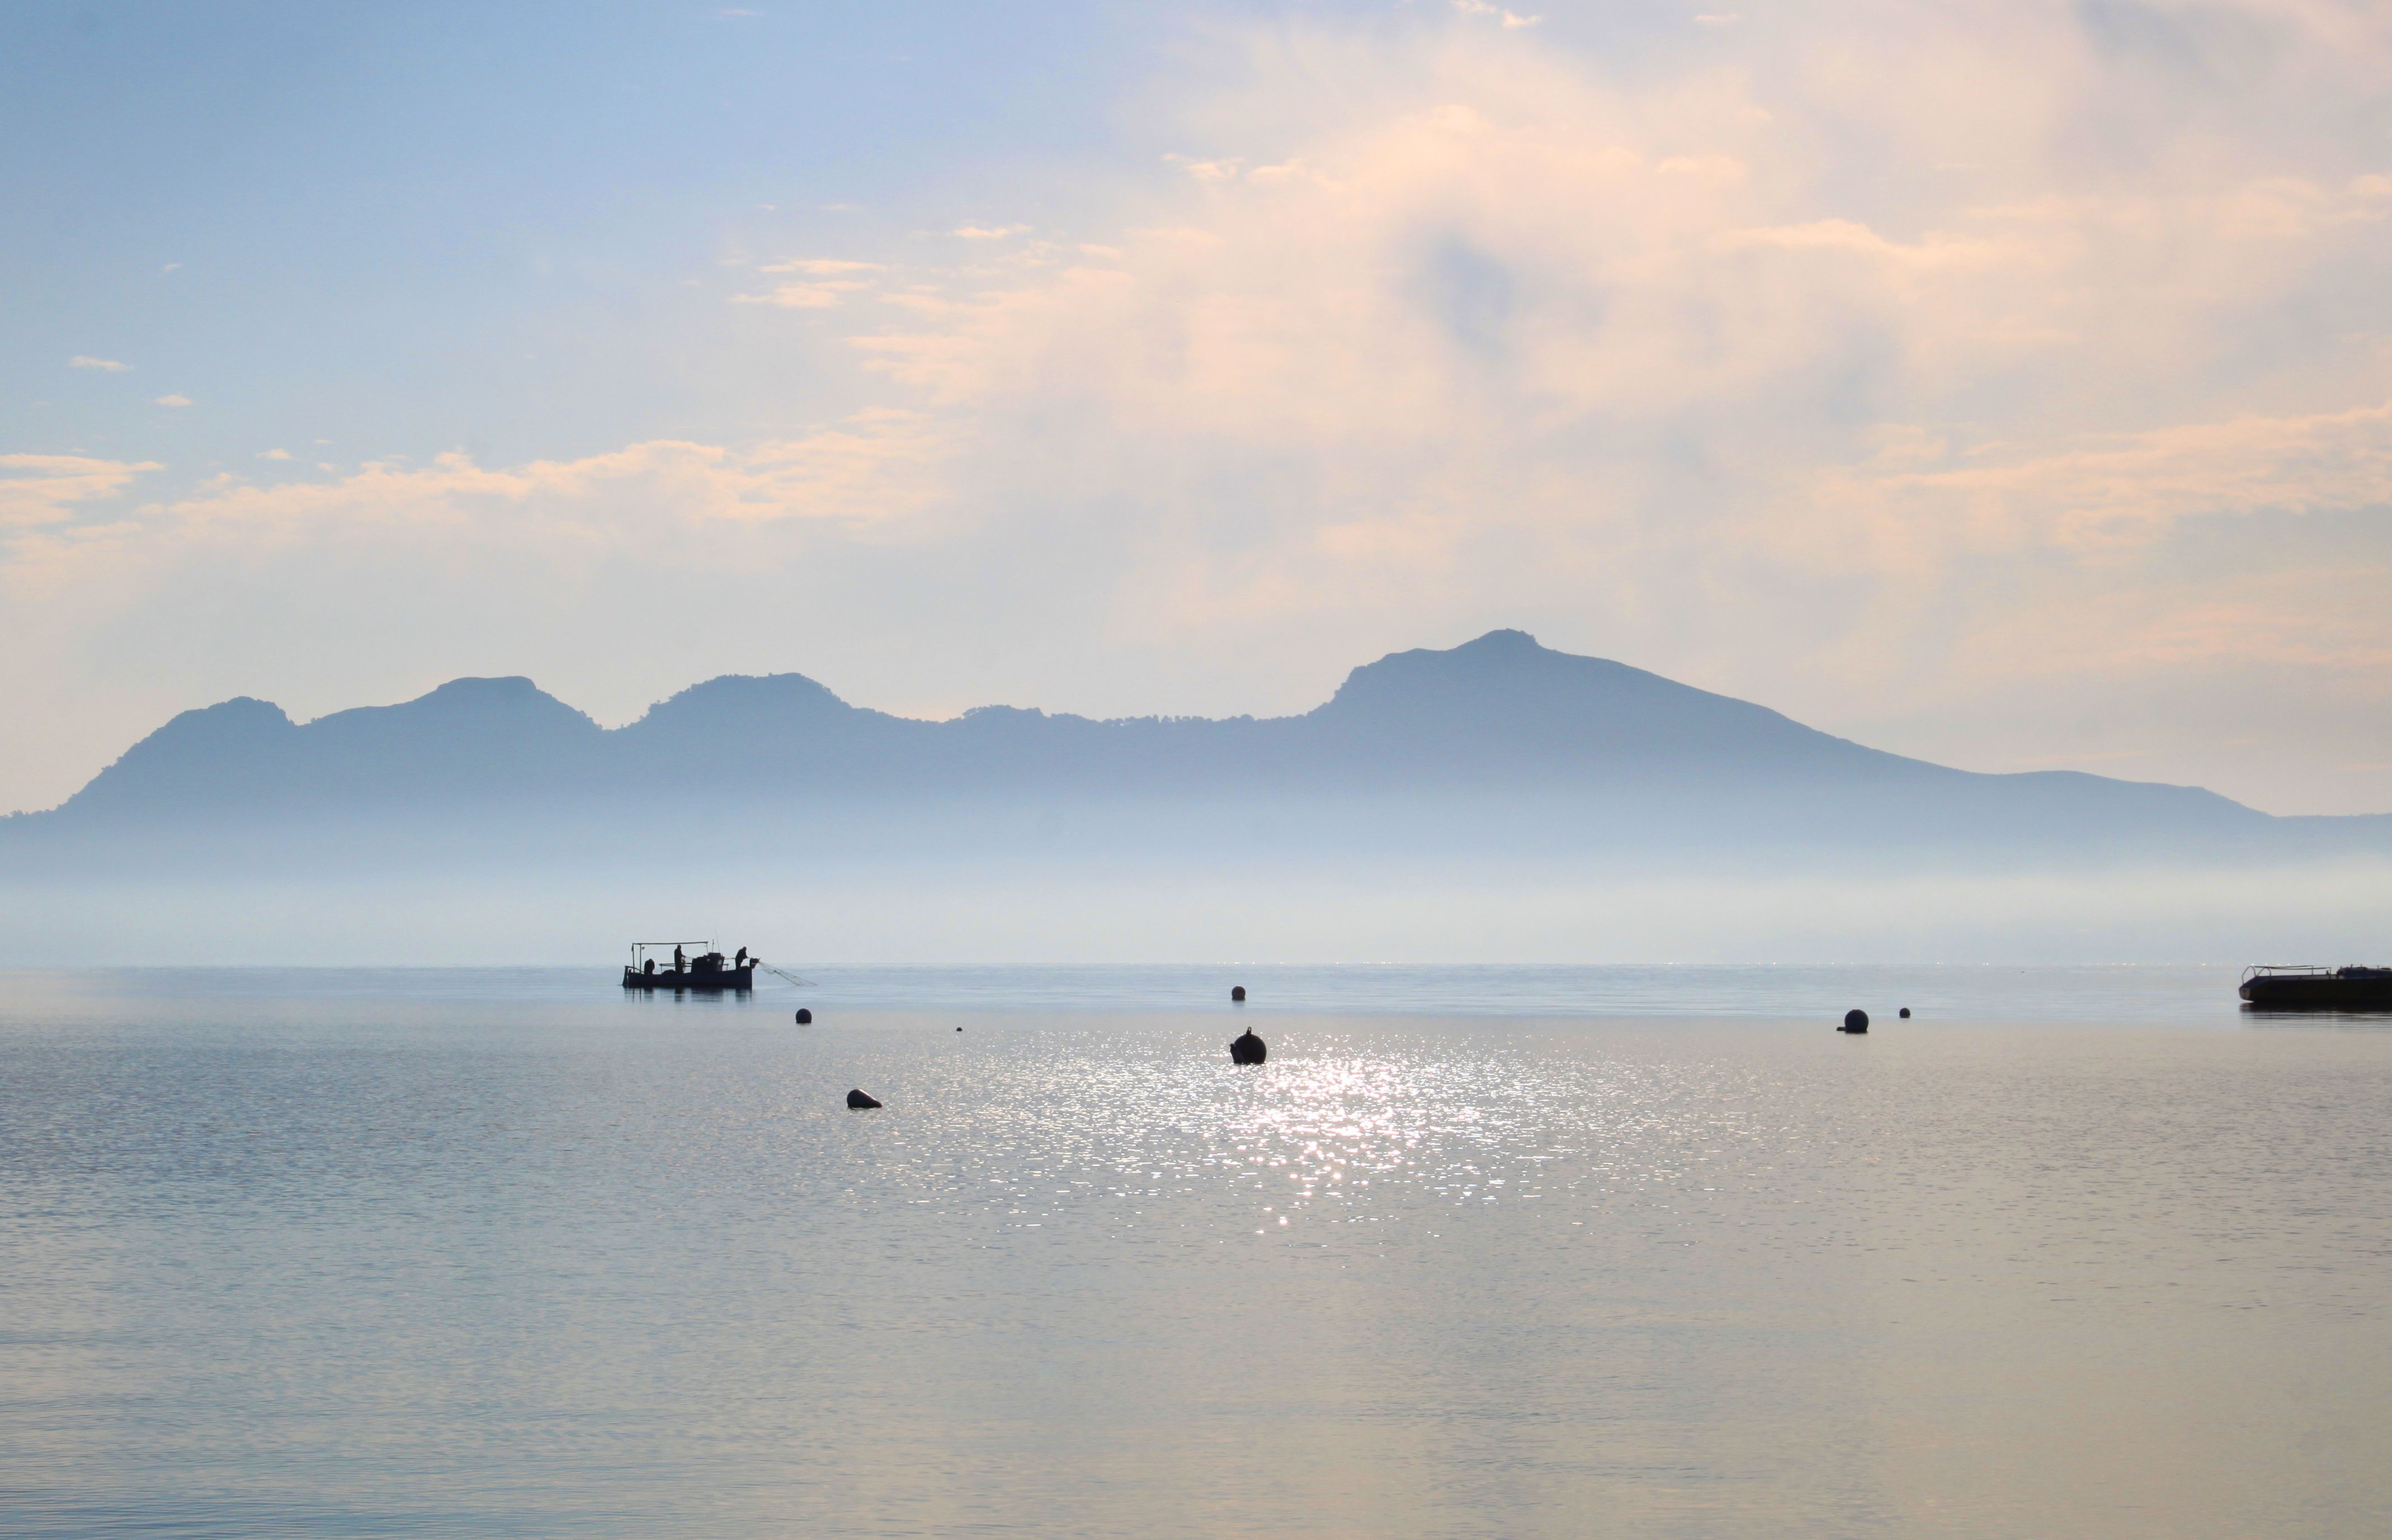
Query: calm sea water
<point x="1479" y="1252"/>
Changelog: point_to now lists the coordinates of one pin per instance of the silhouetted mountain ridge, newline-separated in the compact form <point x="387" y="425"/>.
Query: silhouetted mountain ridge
<point x="1499" y="739"/>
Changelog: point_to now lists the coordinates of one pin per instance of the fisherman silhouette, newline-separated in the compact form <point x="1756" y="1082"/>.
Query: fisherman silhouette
<point x="741" y="960"/>
<point x="649" y="966"/>
<point x="680" y="961"/>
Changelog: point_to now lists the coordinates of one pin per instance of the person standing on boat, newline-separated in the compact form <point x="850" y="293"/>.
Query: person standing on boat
<point x="740" y="961"/>
<point x="680" y="961"/>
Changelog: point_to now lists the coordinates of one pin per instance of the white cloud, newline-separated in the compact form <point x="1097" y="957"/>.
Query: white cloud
<point x="173" y="400"/>
<point x="274" y="454"/>
<point x="104" y="366"/>
<point x="989" y="232"/>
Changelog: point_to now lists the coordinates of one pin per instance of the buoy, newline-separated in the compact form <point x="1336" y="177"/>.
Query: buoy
<point x="805" y="1017"/>
<point x="1247" y="1049"/>
<point x="1854" y="1022"/>
<point x="1237" y="993"/>
<point x="958" y="1028"/>
<point x="859" y="1101"/>
<point x="1905" y="1013"/>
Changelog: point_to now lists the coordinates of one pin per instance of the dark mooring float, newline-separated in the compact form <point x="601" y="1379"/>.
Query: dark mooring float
<point x="2274" y="986"/>
<point x="708" y="970"/>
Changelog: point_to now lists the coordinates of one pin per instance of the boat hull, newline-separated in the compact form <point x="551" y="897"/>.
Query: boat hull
<point x="721" y="981"/>
<point x="2318" y="992"/>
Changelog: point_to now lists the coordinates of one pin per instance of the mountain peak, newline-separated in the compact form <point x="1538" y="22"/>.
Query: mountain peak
<point x="511" y="686"/>
<point x="757" y="702"/>
<point x="1502" y="642"/>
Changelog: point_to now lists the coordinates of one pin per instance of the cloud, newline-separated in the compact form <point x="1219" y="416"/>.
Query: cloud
<point x="873" y="468"/>
<point x="1510" y="20"/>
<point x="104" y="366"/>
<point x="45" y="489"/>
<point x="1206" y="171"/>
<point x="989" y="232"/>
<point x="824" y="267"/>
<point x="173" y="400"/>
<point x="2132" y="489"/>
<point x="800" y="296"/>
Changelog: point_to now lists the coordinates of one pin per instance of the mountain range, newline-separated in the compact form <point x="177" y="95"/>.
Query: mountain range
<point x="1498" y="746"/>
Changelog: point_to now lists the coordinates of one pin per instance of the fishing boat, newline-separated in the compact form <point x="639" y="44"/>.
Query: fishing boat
<point x="2273" y="987"/>
<point x="708" y="970"/>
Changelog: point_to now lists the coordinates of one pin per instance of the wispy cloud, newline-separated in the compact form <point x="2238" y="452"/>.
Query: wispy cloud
<point x="1225" y="170"/>
<point x="45" y="489"/>
<point x="989" y="232"/>
<point x="104" y="366"/>
<point x="802" y="296"/>
<point x="274" y="454"/>
<point x="1509" y="18"/>
<point x="175" y="399"/>
<point x="823" y="267"/>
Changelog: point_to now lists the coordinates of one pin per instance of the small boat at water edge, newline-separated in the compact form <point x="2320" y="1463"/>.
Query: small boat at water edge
<point x="2275" y="988"/>
<point x="708" y="970"/>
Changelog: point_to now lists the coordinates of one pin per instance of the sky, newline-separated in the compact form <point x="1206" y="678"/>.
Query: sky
<point x="2007" y="384"/>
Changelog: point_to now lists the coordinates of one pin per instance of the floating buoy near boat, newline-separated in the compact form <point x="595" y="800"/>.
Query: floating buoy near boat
<point x="1238" y="994"/>
<point x="1854" y="1022"/>
<point x="805" y="1017"/>
<point x="859" y="1101"/>
<point x="1248" y="1049"/>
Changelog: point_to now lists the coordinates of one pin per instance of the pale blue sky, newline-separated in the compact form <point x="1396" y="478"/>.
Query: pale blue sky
<point x="2005" y="383"/>
<point x="410" y="228"/>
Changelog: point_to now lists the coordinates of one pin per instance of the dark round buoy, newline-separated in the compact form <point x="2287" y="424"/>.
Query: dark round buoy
<point x="1237" y="993"/>
<point x="805" y="1017"/>
<point x="1905" y="1013"/>
<point x="1855" y="1021"/>
<point x="859" y="1101"/>
<point x="958" y="1028"/>
<point x="1246" y="1048"/>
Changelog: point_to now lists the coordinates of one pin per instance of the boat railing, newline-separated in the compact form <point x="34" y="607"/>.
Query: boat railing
<point x="2285" y="970"/>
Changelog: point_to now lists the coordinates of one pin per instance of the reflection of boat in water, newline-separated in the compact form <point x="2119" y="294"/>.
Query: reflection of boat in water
<point x="2269" y="988"/>
<point x="708" y="970"/>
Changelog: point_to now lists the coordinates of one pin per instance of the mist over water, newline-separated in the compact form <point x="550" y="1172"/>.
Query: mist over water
<point x="1479" y="1252"/>
<point x="804" y="911"/>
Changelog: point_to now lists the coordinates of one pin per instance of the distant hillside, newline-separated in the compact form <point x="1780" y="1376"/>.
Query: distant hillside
<point x="1499" y="744"/>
